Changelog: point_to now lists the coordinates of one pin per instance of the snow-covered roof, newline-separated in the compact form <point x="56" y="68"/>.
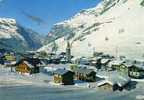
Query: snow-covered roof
<point x="30" y="65"/>
<point x="138" y="66"/>
<point x="61" y="71"/>
<point x="128" y="64"/>
<point x="104" y="82"/>
<point x="119" y="80"/>
<point x="84" y="70"/>
<point x="115" y="62"/>
<point x="103" y="61"/>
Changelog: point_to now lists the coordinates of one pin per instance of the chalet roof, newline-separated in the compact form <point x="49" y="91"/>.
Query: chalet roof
<point x="120" y="80"/>
<point x="138" y="64"/>
<point x="31" y="61"/>
<point x="103" y="61"/>
<point x="84" y="70"/>
<point x="44" y="61"/>
<point x="128" y="64"/>
<point x="141" y="66"/>
<point x="30" y="65"/>
<point x="61" y="71"/>
<point x="116" y="62"/>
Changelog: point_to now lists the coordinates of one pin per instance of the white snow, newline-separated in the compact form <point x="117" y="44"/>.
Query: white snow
<point x="122" y="24"/>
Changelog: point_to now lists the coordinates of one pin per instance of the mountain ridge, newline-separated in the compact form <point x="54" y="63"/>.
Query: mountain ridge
<point x="113" y="26"/>
<point x="15" y="37"/>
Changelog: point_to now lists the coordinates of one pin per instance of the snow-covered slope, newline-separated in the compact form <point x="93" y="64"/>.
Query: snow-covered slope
<point x="15" y="37"/>
<point x="113" y="26"/>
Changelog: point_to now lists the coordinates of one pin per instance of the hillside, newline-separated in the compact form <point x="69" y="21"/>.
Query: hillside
<point x="113" y="26"/>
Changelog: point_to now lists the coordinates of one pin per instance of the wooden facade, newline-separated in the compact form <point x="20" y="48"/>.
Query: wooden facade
<point x="27" y="66"/>
<point x="115" y="83"/>
<point x="23" y="68"/>
<point x="136" y="72"/>
<point x="108" y="87"/>
<point x="85" y="74"/>
<point x="64" y="77"/>
<point x="121" y="67"/>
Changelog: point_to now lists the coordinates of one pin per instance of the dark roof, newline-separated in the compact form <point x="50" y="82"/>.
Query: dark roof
<point x="84" y="70"/>
<point x="61" y="71"/>
<point x="139" y="66"/>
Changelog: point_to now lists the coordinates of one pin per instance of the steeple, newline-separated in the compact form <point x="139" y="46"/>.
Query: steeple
<point x="68" y="52"/>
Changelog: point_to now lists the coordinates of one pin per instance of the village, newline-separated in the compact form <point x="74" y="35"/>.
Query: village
<point x="100" y="71"/>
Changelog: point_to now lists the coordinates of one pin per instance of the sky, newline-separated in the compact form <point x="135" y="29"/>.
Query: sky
<point x="29" y="13"/>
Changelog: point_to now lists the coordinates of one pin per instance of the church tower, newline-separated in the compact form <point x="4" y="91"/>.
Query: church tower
<point x="68" y="52"/>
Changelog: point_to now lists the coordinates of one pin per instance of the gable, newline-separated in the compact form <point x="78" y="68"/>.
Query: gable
<point x="23" y="65"/>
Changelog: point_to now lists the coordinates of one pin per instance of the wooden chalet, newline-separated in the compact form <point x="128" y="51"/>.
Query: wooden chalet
<point x="136" y="71"/>
<point x="96" y="62"/>
<point x="107" y="86"/>
<point x="64" y="77"/>
<point x="114" y="83"/>
<point x="104" y="63"/>
<point x="28" y="65"/>
<point x="120" y="66"/>
<point x="9" y="58"/>
<point x="84" y="61"/>
<point x="85" y="74"/>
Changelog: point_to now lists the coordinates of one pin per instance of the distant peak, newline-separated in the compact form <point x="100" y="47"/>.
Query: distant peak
<point x="8" y="20"/>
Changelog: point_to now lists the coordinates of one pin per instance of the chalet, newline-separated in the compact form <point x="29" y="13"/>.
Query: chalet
<point x="136" y="71"/>
<point x="119" y="65"/>
<point x="28" y="65"/>
<point x="84" y="61"/>
<point x="64" y="77"/>
<point x="95" y="61"/>
<point x="107" y="85"/>
<point x="104" y="63"/>
<point x="114" y="83"/>
<point x="51" y="55"/>
<point x="85" y="74"/>
<point x="63" y="61"/>
<point x="9" y="58"/>
<point x="123" y="68"/>
<point x="73" y="67"/>
<point x="55" y="61"/>
<point x="62" y="55"/>
<point x="75" y="60"/>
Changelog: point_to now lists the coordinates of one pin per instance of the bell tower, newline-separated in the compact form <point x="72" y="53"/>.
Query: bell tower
<point x="68" y="52"/>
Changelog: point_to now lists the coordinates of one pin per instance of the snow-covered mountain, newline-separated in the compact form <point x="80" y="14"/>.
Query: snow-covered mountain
<point x="14" y="37"/>
<point x="114" y="26"/>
